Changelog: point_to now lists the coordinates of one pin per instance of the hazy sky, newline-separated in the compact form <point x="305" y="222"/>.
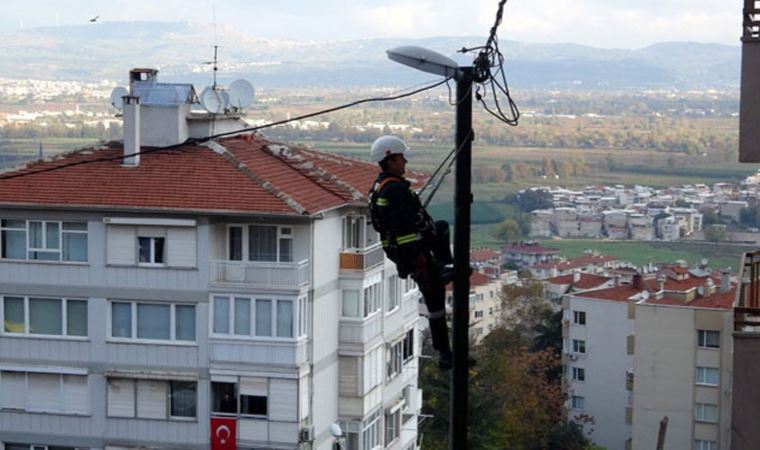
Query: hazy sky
<point x="600" y="23"/>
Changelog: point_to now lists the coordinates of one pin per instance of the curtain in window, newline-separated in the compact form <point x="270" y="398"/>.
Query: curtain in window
<point x="45" y="316"/>
<point x="284" y="318"/>
<point x="121" y="320"/>
<point x="76" y="318"/>
<point x="243" y="316"/>
<point x="183" y="398"/>
<point x="184" y="322"/>
<point x="221" y="315"/>
<point x="286" y="250"/>
<point x="153" y="321"/>
<point x="13" y="314"/>
<point x="263" y="317"/>
<point x="262" y="243"/>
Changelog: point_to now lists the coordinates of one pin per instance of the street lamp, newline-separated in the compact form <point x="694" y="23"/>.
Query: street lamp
<point x="435" y="63"/>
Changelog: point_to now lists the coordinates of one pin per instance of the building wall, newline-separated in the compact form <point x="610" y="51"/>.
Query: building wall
<point x="745" y="434"/>
<point x="665" y="375"/>
<point x="605" y="363"/>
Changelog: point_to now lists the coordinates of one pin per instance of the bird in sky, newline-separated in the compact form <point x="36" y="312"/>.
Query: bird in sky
<point x="94" y="19"/>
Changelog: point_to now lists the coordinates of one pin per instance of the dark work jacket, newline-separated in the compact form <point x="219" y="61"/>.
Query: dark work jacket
<point x="398" y="215"/>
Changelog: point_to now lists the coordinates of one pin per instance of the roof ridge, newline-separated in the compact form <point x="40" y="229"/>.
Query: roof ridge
<point x="312" y="170"/>
<point x="243" y="168"/>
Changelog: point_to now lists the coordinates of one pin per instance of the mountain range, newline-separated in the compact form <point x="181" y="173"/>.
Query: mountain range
<point x="181" y="51"/>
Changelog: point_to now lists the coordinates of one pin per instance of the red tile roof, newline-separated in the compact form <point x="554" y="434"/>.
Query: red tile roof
<point x="619" y="293"/>
<point x="718" y="300"/>
<point x="586" y="281"/>
<point x="483" y="255"/>
<point x="476" y="279"/>
<point x="241" y="174"/>
<point x="529" y="249"/>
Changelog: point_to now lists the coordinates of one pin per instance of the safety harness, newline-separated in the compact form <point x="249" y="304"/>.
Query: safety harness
<point x="375" y="203"/>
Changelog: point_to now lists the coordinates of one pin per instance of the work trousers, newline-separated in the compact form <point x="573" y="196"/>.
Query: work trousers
<point x="434" y="292"/>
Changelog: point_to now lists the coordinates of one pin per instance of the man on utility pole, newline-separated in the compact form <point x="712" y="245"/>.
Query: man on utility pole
<point x="418" y="245"/>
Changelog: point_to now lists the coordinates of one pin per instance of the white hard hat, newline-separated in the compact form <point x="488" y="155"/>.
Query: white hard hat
<point x="385" y="146"/>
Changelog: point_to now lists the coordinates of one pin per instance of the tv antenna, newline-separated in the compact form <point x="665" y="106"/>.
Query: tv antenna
<point x="214" y="63"/>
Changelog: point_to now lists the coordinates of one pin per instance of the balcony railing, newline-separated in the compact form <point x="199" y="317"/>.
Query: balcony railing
<point x="360" y="332"/>
<point x="260" y="274"/>
<point x="361" y="259"/>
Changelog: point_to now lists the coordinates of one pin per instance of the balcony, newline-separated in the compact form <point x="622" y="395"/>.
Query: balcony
<point x="357" y="333"/>
<point x="259" y="274"/>
<point x="361" y="259"/>
<point x="234" y="352"/>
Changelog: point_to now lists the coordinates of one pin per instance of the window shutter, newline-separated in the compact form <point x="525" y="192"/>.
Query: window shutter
<point x="181" y="247"/>
<point x="44" y="392"/>
<point x="76" y="395"/>
<point x="121" y="398"/>
<point x="120" y="245"/>
<point x="254" y="386"/>
<point x="152" y="397"/>
<point x="13" y="390"/>
<point x="284" y="400"/>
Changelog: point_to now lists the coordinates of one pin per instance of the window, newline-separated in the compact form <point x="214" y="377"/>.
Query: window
<point x="579" y="317"/>
<point x="44" y="316"/>
<point x="45" y="392"/>
<point x="408" y="351"/>
<point x="150" y="250"/>
<point x="399" y="353"/>
<point x="579" y="346"/>
<point x="259" y="317"/>
<point x="260" y="243"/>
<point x="361" y="304"/>
<point x="223" y="398"/>
<point x="579" y="374"/>
<point x="393" y="293"/>
<point x="371" y="432"/>
<point x="152" y="399"/>
<point x="353" y="232"/>
<point x="478" y="314"/>
<point x="699" y="444"/>
<point x="254" y="396"/>
<point x="392" y="426"/>
<point x="579" y="402"/>
<point x="709" y="376"/>
<point x="708" y="339"/>
<point x="303" y="316"/>
<point x="153" y="321"/>
<point x="16" y="446"/>
<point x="705" y="412"/>
<point x="43" y="240"/>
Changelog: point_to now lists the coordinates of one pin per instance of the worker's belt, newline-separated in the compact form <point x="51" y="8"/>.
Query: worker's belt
<point x="401" y="240"/>
<point x="437" y="314"/>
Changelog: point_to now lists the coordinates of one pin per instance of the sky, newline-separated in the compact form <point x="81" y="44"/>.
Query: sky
<point x="599" y="23"/>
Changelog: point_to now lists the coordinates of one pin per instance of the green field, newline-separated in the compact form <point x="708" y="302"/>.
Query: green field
<point x="717" y="255"/>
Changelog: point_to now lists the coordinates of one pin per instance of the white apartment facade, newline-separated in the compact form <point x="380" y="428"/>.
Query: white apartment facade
<point x="596" y="326"/>
<point x="236" y="282"/>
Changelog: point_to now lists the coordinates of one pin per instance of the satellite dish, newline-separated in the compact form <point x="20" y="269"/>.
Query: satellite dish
<point x="423" y="59"/>
<point x="116" y="97"/>
<point x="645" y="295"/>
<point x="212" y="100"/>
<point x="225" y="100"/>
<point x="241" y="94"/>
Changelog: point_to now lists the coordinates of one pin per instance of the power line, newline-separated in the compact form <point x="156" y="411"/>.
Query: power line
<point x="192" y="141"/>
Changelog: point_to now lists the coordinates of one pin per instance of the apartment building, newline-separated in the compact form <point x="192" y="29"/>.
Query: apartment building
<point x="485" y="304"/>
<point x="224" y="290"/>
<point x="596" y="327"/>
<point x="659" y="346"/>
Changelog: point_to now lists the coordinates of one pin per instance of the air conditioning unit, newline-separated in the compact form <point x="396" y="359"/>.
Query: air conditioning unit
<point x="306" y="434"/>
<point x="572" y="357"/>
<point x="413" y="398"/>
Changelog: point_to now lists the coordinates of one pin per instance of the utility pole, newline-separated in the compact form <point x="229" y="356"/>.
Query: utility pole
<point x="461" y="320"/>
<point x="662" y="432"/>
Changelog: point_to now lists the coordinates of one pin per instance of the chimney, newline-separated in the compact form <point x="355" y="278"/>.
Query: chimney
<point x="576" y="276"/>
<point x="725" y="281"/>
<point x="661" y="282"/>
<point x="617" y="279"/>
<point x="131" y="131"/>
<point x="638" y="281"/>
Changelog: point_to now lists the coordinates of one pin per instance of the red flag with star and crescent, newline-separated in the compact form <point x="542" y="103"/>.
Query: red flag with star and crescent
<point x="223" y="433"/>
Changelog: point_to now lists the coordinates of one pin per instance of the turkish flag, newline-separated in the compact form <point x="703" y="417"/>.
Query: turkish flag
<point x="223" y="433"/>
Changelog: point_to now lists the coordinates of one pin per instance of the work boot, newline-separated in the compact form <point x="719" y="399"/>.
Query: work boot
<point x="446" y="273"/>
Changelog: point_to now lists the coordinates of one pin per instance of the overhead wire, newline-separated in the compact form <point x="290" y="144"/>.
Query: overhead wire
<point x="403" y="94"/>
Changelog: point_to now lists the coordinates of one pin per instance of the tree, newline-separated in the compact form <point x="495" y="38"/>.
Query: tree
<point x="715" y="233"/>
<point x="508" y="231"/>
